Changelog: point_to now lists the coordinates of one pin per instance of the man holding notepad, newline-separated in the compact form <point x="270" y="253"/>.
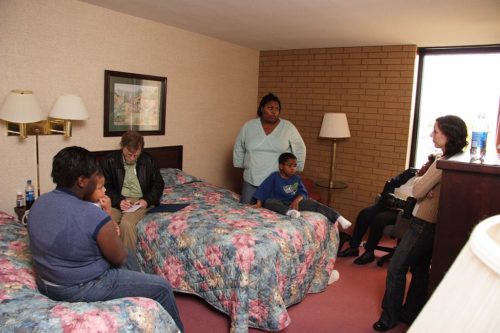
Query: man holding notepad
<point x="134" y="184"/>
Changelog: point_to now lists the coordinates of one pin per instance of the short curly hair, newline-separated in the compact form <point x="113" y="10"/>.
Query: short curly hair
<point x="285" y="157"/>
<point x="70" y="163"/>
<point x="455" y="130"/>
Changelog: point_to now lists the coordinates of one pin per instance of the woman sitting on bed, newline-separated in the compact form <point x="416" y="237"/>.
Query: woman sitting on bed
<point x="76" y="250"/>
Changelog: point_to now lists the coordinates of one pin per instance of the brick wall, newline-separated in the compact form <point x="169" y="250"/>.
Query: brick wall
<point x="373" y="86"/>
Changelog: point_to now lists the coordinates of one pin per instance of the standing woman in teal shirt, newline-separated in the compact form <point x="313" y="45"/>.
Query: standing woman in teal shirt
<point x="260" y="143"/>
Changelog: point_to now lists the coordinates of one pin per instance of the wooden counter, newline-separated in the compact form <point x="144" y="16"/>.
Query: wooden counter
<point x="469" y="193"/>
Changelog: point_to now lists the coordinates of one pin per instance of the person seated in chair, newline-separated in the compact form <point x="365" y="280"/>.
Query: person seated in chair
<point x="377" y="216"/>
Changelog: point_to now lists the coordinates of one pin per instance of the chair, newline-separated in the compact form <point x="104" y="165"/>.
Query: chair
<point x="395" y="231"/>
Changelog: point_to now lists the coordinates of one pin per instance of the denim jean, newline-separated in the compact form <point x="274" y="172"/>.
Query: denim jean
<point x="413" y="253"/>
<point x="306" y="204"/>
<point x="247" y="192"/>
<point x="132" y="262"/>
<point x="116" y="283"/>
<point x="375" y="217"/>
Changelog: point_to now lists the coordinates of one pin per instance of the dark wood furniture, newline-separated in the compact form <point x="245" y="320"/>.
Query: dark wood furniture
<point x="309" y="185"/>
<point x="469" y="194"/>
<point x="165" y="157"/>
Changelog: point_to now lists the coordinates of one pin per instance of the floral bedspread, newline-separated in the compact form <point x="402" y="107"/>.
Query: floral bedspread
<point x="24" y="309"/>
<point x="248" y="263"/>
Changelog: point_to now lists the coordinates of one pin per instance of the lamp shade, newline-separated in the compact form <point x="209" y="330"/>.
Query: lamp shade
<point x="334" y="126"/>
<point x="21" y="106"/>
<point x="69" y="107"/>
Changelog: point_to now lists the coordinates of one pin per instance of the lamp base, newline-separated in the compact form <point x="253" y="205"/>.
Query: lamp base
<point x="335" y="185"/>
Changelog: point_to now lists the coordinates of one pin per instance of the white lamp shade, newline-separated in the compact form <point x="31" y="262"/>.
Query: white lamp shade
<point x="69" y="107"/>
<point x="21" y="106"/>
<point x="334" y="126"/>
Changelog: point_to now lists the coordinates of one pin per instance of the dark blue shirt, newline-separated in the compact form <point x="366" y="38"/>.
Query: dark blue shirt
<point x="277" y="187"/>
<point x="62" y="231"/>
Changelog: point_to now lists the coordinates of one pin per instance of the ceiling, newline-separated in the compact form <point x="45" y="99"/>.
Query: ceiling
<point x="295" y="24"/>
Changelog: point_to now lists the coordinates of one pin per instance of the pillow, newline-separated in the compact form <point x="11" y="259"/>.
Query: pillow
<point x="174" y="177"/>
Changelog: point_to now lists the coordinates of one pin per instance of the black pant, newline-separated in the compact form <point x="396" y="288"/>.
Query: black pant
<point x="306" y="204"/>
<point x="413" y="253"/>
<point x="375" y="217"/>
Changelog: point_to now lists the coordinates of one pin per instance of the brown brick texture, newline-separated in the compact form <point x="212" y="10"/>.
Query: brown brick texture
<point x="373" y="86"/>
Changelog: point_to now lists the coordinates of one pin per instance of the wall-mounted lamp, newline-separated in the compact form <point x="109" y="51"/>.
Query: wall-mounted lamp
<point x="25" y="117"/>
<point x="68" y="107"/>
<point x="21" y="108"/>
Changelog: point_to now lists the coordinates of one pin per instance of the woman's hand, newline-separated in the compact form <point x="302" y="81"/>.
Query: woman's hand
<point x="117" y="228"/>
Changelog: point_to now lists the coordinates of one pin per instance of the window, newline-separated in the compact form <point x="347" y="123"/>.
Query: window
<point x="463" y="81"/>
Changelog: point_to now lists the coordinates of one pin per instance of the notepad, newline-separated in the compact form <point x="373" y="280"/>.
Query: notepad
<point x="132" y="208"/>
<point x="167" y="208"/>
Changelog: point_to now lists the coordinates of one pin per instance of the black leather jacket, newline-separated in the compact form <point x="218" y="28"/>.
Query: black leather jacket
<point x="149" y="176"/>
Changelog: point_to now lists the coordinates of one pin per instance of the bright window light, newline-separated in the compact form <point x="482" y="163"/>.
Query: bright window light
<point x="460" y="84"/>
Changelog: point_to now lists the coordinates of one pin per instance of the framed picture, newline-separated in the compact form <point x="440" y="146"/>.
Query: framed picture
<point x="134" y="102"/>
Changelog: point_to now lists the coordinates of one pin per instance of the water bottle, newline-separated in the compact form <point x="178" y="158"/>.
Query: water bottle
<point x="29" y="192"/>
<point x="479" y="137"/>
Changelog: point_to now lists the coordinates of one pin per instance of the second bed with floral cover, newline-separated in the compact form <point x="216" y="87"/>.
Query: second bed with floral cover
<point x="248" y="263"/>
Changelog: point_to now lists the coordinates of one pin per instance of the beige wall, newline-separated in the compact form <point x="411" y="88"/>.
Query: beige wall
<point x="63" y="46"/>
<point x="373" y="86"/>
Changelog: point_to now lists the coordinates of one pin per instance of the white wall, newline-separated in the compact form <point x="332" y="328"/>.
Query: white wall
<point x="63" y="46"/>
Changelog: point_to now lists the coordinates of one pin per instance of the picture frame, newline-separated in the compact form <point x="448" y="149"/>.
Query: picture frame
<point x="134" y="102"/>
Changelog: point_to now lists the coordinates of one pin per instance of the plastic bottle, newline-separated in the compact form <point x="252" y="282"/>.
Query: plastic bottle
<point x="479" y="137"/>
<point x="20" y="200"/>
<point x="29" y="191"/>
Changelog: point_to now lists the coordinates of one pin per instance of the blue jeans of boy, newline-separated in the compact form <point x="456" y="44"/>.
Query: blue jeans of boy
<point x="413" y="253"/>
<point x="117" y="283"/>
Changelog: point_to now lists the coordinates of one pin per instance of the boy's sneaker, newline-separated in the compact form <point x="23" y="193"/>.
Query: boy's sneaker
<point x="294" y="214"/>
<point x="343" y="222"/>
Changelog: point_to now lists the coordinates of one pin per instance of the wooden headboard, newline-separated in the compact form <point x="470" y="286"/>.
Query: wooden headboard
<point x="165" y="157"/>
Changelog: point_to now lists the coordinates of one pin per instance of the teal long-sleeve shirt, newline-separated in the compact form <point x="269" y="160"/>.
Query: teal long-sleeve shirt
<point x="258" y="153"/>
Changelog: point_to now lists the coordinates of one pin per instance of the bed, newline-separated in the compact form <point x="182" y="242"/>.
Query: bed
<point x="248" y="263"/>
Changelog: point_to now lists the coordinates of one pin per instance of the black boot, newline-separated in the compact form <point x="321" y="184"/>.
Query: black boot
<point x="365" y="258"/>
<point x="349" y="252"/>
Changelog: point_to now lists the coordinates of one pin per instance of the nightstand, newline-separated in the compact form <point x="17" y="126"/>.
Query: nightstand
<point x="335" y="185"/>
<point x="331" y="186"/>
